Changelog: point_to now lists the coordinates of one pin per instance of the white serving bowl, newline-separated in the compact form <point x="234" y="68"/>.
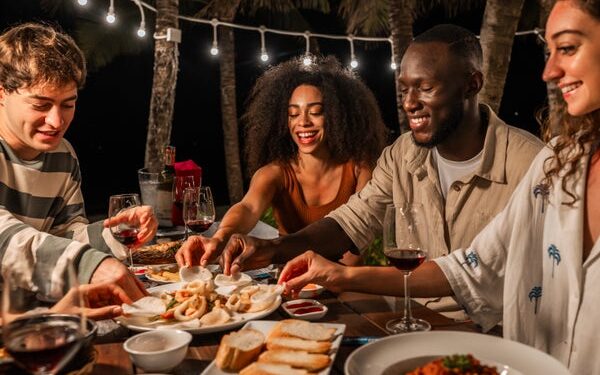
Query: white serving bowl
<point x="158" y="350"/>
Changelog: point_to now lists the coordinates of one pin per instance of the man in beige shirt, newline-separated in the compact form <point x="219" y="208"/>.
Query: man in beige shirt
<point x="459" y="160"/>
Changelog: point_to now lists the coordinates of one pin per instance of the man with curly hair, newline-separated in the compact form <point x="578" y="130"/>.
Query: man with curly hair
<point x="42" y="218"/>
<point x="460" y="161"/>
<point x="313" y="134"/>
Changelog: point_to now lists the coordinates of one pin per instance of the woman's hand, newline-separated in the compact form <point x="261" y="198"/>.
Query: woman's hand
<point x="102" y="301"/>
<point x="141" y="217"/>
<point x="198" y="250"/>
<point x="310" y="267"/>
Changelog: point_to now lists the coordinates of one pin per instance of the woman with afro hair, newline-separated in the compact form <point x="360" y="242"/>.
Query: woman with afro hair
<point x="313" y="135"/>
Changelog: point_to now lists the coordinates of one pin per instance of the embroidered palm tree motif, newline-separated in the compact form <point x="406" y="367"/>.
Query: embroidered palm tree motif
<point x="543" y="190"/>
<point x="554" y="254"/>
<point x="471" y="259"/>
<point x="535" y="293"/>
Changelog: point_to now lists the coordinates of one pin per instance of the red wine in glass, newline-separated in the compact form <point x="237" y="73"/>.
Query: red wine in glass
<point x="42" y="346"/>
<point x="127" y="237"/>
<point x="199" y="226"/>
<point x="405" y="259"/>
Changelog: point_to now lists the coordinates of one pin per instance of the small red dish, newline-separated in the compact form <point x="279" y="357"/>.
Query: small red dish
<point x="306" y="309"/>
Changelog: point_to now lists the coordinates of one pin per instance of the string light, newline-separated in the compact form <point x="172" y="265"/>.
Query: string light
<point x="353" y="61"/>
<point x="307" y="60"/>
<point x="393" y="65"/>
<point x="264" y="56"/>
<point x="214" y="50"/>
<point x="141" y="32"/>
<point x="110" y="16"/>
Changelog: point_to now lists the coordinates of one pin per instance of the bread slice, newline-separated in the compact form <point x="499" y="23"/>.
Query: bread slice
<point x="258" y="368"/>
<point x="308" y="361"/>
<point x="238" y="349"/>
<point x="294" y="343"/>
<point x="302" y="329"/>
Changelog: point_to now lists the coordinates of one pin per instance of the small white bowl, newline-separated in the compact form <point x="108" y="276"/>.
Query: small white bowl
<point x="297" y="309"/>
<point x="159" y="350"/>
<point x="311" y="291"/>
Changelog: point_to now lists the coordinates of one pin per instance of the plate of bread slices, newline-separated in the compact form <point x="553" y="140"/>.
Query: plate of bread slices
<point x="207" y="303"/>
<point x="288" y="346"/>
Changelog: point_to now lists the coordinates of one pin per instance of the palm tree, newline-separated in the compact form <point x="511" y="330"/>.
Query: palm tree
<point x="162" y="101"/>
<point x="226" y="10"/>
<point x="500" y="21"/>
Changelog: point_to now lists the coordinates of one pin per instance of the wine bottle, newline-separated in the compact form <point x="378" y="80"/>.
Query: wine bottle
<point x="164" y="194"/>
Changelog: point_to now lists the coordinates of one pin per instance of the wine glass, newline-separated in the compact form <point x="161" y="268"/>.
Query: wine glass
<point x="41" y="342"/>
<point x="405" y="237"/>
<point x="179" y="185"/>
<point x="198" y="209"/>
<point x="125" y="233"/>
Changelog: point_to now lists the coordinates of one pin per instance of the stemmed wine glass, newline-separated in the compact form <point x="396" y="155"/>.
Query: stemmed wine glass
<point x="405" y="237"/>
<point x="179" y="185"/>
<point x="198" y="209"/>
<point x="125" y="233"/>
<point x="41" y="342"/>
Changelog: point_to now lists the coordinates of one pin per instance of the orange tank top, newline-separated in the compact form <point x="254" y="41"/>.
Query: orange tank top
<point x="290" y="209"/>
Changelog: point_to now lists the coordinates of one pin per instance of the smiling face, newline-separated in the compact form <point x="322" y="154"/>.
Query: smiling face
<point x="306" y="118"/>
<point x="574" y="61"/>
<point x="432" y="91"/>
<point x="34" y="120"/>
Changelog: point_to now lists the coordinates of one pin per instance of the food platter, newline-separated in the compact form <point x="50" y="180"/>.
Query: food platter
<point x="265" y="327"/>
<point x="402" y="353"/>
<point x="159" y="253"/>
<point x="238" y="319"/>
<point x="170" y="272"/>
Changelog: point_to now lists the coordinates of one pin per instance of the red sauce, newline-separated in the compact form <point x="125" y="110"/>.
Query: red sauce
<point x="298" y="305"/>
<point x="308" y="310"/>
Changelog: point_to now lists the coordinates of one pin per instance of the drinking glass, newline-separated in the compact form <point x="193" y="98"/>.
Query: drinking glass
<point x="405" y="241"/>
<point x="179" y="185"/>
<point x="125" y="233"/>
<point x="41" y="342"/>
<point x="198" y="209"/>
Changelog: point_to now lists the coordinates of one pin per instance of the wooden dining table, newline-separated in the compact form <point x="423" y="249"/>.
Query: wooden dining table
<point x="364" y="316"/>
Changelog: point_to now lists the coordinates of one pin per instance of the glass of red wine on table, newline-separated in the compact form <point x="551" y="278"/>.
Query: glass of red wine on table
<point x="198" y="209"/>
<point x="125" y="233"/>
<point x="39" y="341"/>
<point x="405" y="237"/>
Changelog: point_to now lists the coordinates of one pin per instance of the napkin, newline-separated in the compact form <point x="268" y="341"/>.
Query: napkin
<point x="189" y="168"/>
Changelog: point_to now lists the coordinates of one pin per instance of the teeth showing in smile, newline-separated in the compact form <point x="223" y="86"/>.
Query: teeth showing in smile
<point x="307" y="134"/>
<point x="569" y="88"/>
<point x="418" y="120"/>
<point x="50" y="133"/>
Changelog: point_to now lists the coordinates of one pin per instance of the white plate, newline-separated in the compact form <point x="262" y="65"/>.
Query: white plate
<point x="265" y="327"/>
<point x="408" y="349"/>
<point x="239" y="318"/>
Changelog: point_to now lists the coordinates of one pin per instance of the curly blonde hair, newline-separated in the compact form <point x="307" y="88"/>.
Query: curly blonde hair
<point x="576" y="137"/>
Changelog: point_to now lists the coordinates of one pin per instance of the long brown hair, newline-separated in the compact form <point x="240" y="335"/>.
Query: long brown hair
<point x="576" y="137"/>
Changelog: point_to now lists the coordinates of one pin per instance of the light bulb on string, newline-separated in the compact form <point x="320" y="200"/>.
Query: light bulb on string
<point x="393" y="64"/>
<point x="264" y="56"/>
<point x="353" y="61"/>
<point x="82" y="2"/>
<point x="110" y="16"/>
<point x="214" y="50"/>
<point x="307" y="60"/>
<point x="141" y="31"/>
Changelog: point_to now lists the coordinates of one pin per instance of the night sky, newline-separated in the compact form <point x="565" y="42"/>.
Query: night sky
<point x="109" y="130"/>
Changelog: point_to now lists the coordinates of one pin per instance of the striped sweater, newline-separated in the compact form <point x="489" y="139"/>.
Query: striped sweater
<point x="43" y="223"/>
